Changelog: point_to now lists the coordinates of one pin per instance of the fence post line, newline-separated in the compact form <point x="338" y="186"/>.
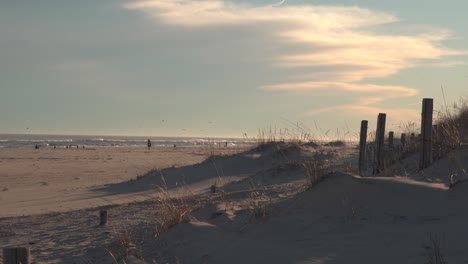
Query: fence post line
<point x="362" y="147"/>
<point x="426" y="133"/>
<point x="379" y="143"/>
<point x="17" y="255"/>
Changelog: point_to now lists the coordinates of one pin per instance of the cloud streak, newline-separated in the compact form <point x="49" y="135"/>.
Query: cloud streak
<point x="347" y="43"/>
<point x="387" y="90"/>
<point x="399" y="115"/>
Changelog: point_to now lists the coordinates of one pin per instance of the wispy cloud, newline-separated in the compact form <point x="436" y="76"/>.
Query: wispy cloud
<point x="368" y="96"/>
<point x="394" y="115"/>
<point x="384" y="90"/>
<point x="207" y="12"/>
<point x="347" y="43"/>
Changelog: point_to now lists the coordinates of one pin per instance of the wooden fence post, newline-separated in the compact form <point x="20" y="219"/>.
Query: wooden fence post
<point x="362" y="147"/>
<point x="379" y="144"/>
<point x="403" y="142"/>
<point x="426" y="133"/>
<point x="103" y="217"/>
<point x="412" y="146"/>
<point x="17" y="255"/>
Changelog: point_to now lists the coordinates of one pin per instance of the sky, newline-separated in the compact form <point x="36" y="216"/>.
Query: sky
<point x="226" y="68"/>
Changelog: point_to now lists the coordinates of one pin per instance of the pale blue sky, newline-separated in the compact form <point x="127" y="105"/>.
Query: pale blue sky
<point x="220" y="68"/>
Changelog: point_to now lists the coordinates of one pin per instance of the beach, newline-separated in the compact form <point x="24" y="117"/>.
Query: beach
<point x="50" y="180"/>
<point x="227" y="132"/>
<point x="275" y="203"/>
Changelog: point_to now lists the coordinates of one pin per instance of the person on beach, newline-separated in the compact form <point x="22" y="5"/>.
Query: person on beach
<point x="149" y="144"/>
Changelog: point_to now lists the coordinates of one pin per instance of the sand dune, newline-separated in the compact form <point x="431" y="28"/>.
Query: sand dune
<point x="345" y="219"/>
<point x="263" y="212"/>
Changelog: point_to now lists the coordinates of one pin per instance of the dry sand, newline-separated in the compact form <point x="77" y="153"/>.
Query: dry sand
<point x="51" y="180"/>
<point x="263" y="210"/>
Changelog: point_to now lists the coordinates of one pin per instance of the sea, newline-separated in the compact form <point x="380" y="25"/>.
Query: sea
<point x="64" y="141"/>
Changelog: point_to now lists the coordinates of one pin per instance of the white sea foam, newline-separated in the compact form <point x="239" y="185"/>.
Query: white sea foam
<point x="61" y="141"/>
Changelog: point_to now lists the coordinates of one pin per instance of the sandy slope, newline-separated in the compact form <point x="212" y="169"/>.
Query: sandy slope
<point x="343" y="219"/>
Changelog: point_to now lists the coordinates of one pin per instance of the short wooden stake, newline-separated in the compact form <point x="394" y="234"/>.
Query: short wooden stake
<point x="17" y="255"/>
<point x="213" y="188"/>
<point x="362" y="147"/>
<point x="426" y="133"/>
<point x="103" y="217"/>
<point x="379" y="144"/>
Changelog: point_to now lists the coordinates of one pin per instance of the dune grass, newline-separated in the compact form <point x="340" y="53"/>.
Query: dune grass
<point x="314" y="171"/>
<point x="452" y="126"/>
<point x="433" y="251"/>
<point x="171" y="211"/>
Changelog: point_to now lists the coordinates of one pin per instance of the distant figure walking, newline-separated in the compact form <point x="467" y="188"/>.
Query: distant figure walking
<point x="149" y="144"/>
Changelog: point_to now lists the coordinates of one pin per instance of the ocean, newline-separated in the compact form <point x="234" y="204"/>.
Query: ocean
<point x="62" y="141"/>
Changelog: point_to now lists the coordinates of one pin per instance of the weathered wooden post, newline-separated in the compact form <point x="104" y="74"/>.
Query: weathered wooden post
<point x="412" y="146"/>
<point x="390" y="139"/>
<point x="103" y="217"/>
<point x="17" y="255"/>
<point x="379" y="144"/>
<point x="362" y="147"/>
<point x="403" y="142"/>
<point x="426" y="133"/>
<point x="213" y="188"/>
